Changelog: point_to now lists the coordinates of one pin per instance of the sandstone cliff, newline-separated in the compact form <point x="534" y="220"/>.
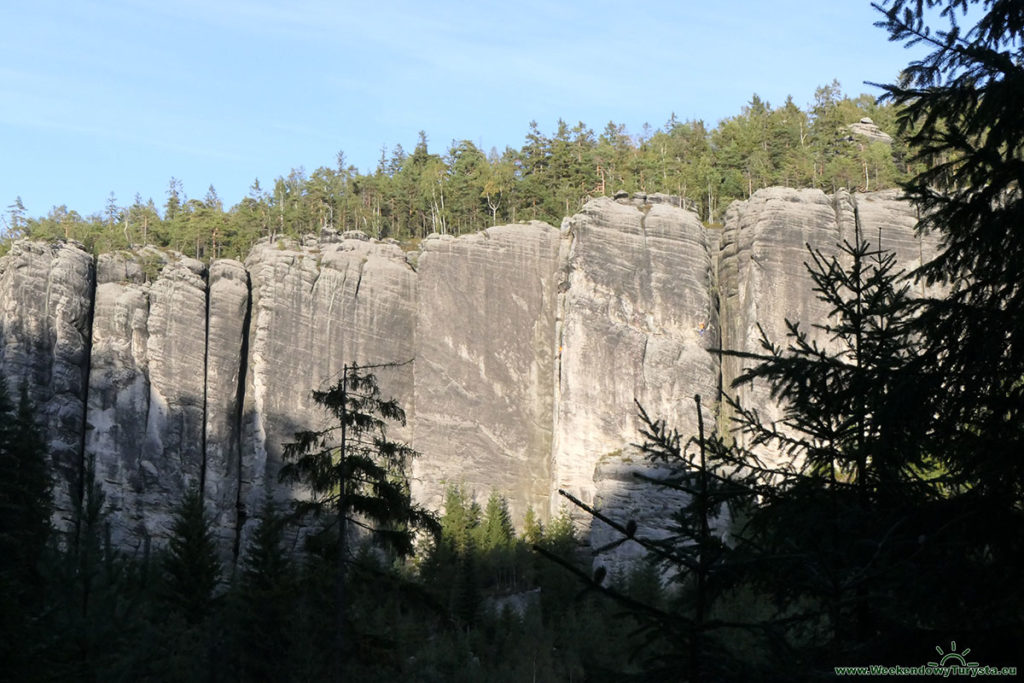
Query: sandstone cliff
<point x="485" y="358"/>
<point x="46" y="296"/>
<point x="146" y="390"/>
<point x="526" y="347"/>
<point x="762" y="275"/>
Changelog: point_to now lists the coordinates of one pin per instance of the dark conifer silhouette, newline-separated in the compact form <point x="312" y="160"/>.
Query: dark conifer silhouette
<point x="357" y="476"/>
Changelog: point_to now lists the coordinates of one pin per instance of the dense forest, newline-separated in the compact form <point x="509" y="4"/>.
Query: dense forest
<point x="465" y="189"/>
<point x="888" y="527"/>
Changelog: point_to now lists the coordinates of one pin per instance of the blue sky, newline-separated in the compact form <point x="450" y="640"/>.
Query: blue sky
<point x="121" y="95"/>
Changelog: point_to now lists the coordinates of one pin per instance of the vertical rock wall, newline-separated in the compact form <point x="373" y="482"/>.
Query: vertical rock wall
<point x="638" y="316"/>
<point x="527" y="346"/>
<point x="226" y="350"/>
<point x="484" y="362"/>
<point x="46" y="296"/>
<point x="316" y="307"/>
<point x="762" y="275"/>
<point x="146" y="400"/>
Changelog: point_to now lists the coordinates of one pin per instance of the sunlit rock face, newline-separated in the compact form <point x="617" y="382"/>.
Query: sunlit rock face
<point x="485" y="361"/>
<point x="146" y="393"/>
<point x="521" y="351"/>
<point x="637" y="317"/>
<point x="227" y="320"/>
<point x="316" y="307"/>
<point x="762" y="273"/>
<point x="763" y="278"/>
<point x="45" y="309"/>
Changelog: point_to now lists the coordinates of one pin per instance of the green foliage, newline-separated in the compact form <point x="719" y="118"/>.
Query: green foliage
<point x="463" y="190"/>
<point x="25" y="502"/>
<point x="191" y="570"/>
<point x="353" y="470"/>
<point x="836" y="542"/>
<point x="357" y="478"/>
<point x="99" y="599"/>
<point x="842" y="513"/>
<point x="959" y="108"/>
<point x="480" y="606"/>
<point x="261" y="603"/>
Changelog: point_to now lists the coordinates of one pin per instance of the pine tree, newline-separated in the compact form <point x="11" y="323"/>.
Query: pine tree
<point x="356" y="475"/>
<point x="961" y="107"/>
<point x="191" y="568"/>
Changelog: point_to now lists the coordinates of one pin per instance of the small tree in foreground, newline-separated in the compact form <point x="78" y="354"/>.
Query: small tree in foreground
<point x="191" y="568"/>
<point x="356" y="475"/>
<point x="830" y="531"/>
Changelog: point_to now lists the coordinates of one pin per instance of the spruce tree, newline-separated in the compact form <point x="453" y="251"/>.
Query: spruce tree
<point x="960" y="105"/>
<point x="960" y="109"/>
<point x="357" y="477"/>
<point x="839" y="509"/>
<point x="263" y="601"/>
<point x="25" y="502"/>
<point x="191" y="569"/>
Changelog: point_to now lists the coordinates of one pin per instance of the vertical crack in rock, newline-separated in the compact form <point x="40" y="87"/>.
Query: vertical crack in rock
<point x="239" y="454"/>
<point x="566" y="247"/>
<point x="720" y="312"/>
<point x="86" y="372"/>
<point x="206" y="389"/>
<point x="359" y="279"/>
<point x="227" y="329"/>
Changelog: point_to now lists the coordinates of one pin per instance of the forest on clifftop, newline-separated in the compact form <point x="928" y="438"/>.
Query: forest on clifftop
<point x="465" y="189"/>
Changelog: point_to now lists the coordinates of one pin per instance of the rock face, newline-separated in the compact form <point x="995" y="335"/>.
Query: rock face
<point x="316" y="307"/>
<point x="764" y="281"/>
<point x="146" y="400"/>
<point x="46" y="298"/>
<point x="485" y="358"/>
<point x="637" y="316"/>
<point x="227" y="334"/>
<point x="521" y="350"/>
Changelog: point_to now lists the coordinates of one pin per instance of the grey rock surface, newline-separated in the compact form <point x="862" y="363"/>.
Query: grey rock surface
<point x="527" y="346"/>
<point x="868" y="129"/>
<point x="763" y="278"/>
<point x="485" y="359"/>
<point x="313" y="310"/>
<point x="226" y="340"/>
<point x="45" y="308"/>
<point x="147" y="392"/>
<point x="637" y="318"/>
